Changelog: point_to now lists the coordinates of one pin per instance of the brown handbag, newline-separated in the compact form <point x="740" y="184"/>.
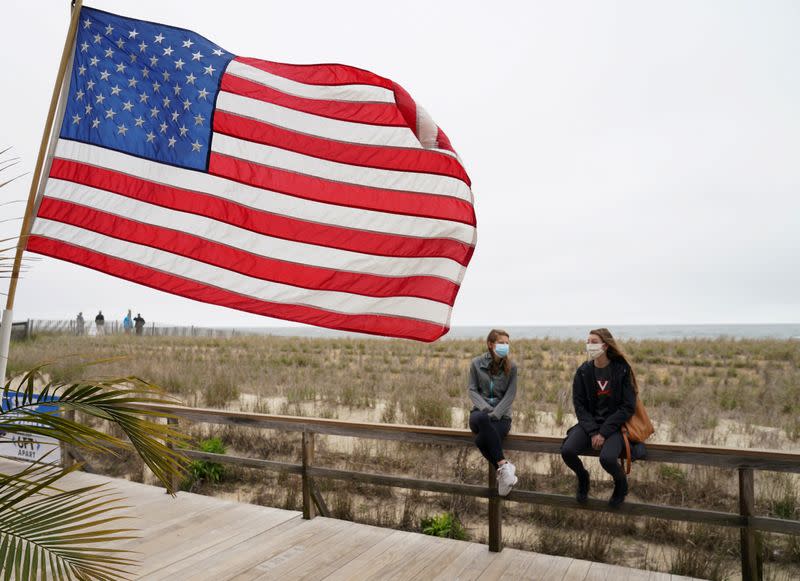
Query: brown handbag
<point x="637" y="429"/>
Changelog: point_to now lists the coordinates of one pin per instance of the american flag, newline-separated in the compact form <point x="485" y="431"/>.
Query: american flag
<point x="314" y="193"/>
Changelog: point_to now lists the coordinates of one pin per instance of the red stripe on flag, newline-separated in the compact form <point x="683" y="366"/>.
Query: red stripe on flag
<point x="407" y="106"/>
<point x="275" y="225"/>
<point x="234" y="259"/>
<point x="385" y="114"/>
<point x="398" y="159"/>
<point x="324" y="74"/>
<point x="331" y="192"/>
<point x="371" y="324"/>
<point x="443" y="141"/>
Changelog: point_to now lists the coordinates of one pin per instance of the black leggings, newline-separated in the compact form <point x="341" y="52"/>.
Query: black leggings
<point x="489" y="435"/>
<point x="578" y="442"/>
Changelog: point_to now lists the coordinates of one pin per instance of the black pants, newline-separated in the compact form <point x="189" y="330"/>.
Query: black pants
<point x="489" y="435"/>
<point x="578" y="442"/>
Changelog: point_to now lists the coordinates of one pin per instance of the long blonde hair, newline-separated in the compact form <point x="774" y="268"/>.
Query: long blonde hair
<point x="494" y="366"/>
<point x="614" y="351"/>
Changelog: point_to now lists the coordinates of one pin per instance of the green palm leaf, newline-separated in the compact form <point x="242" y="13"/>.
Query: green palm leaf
<point x="47" y="532"/>
<point x="59" y="534"/>
<point x="114" y="400"/>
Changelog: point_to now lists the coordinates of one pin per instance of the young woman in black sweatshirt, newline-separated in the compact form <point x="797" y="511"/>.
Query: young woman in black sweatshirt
<point x="604" y="398"/>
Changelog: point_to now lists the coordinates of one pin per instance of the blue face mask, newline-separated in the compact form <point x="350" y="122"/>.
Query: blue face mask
<point x="501" y="349"/>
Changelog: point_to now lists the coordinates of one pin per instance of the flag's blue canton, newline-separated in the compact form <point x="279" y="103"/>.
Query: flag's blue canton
<point x="143" y="88"/>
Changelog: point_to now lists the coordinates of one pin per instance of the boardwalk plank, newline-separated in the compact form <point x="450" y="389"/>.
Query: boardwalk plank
<point x="637" y="575"/>
<point x="470" y="566"/>
<point x="597" y="572"/>
<point x="538" y="565"/>
<point x="390" y="562"/>
<point x="510" y="564"/>
<point x="207" y="539"/>
<point x="433" y="548"/>
<point x="249" y="551"/>
<point x="454" y="555"/>
<point x="199" y="536"/>
<point x="577" y="570"/>
<point x="295" y="555"/>
<point x="375" y="558"/>
<point x="558" y="569"/>
<point x="343" y="548"/>
<point x="616" y="573"/>
<point x="154" y="516"/>
<point x="194" y="566"/>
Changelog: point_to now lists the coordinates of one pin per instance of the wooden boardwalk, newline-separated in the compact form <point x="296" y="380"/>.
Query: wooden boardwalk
<point x="193" y="538"/>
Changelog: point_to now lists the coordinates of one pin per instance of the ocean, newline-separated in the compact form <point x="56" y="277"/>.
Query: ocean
<point x="634" y="332"/>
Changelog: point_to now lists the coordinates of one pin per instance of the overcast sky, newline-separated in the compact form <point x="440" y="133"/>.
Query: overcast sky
<point x="632" y="162"/>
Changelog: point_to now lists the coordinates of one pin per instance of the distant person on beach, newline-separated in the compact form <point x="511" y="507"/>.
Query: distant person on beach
<point x="127" y="323"/>
<point x="79" y="323"/>
<point x="492" y="389"/>
<point x="604" y="399"/>
<point x="139" y="323"/>
<point x="100" y="323"/>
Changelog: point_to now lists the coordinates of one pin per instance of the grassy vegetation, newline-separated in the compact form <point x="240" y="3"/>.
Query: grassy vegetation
<point x="444" y="525"/>
<point x="202" y="471"/>
<point x="720" y="392"/>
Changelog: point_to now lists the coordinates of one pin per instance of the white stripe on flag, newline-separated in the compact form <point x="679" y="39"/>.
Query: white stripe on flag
<point x="410" y="307"/>
<point x="423" y="183"/>
<point x="368" y="93"/>
<point x="310" y="124"/>
<point x="265" y="200"/>
<point x="259" y="244"/>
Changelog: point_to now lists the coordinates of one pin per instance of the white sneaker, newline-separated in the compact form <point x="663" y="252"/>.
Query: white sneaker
<point x="506" y="478"/>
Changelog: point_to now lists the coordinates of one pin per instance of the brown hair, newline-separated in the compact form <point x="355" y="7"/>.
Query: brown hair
<point x="494" y="366"/>
<point x="614" y="351"/>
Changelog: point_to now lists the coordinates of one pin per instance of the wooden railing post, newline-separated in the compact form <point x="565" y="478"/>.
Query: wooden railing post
<point x="173" y="423"/>
<point x="308" y="457"/>
<point x="67" y="459"/>
<point x="751" y="559"/>
<point x="495" y="514"/>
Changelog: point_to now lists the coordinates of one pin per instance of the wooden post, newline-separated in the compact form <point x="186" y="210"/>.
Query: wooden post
<point x="309" y="510"/>
<point x="495" y="514"/>
<point x="173" y="423"/>
<point x="69" y="43"/>
<point x="42" y="167"/>
<point x="750" y="545"/>
<point x="67" y="459"/>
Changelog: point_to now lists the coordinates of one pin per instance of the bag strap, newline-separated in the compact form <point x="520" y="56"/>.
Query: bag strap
<point x="626" y="460"/>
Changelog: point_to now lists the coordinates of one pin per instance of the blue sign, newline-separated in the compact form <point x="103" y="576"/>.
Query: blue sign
<point x="30" y="447"/>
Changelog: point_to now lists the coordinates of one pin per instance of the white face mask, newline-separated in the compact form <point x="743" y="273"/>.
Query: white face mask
<point x="594" y="350"/>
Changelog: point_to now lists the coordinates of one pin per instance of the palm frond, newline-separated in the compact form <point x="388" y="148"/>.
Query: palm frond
<point x="114" y="400"/>
<point x="64" y="534"/>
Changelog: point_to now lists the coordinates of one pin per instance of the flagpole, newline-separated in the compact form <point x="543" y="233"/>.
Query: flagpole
<point x="8" y="313"/>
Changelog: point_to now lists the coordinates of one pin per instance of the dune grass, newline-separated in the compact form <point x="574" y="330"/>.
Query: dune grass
<point x="740" y="393"/>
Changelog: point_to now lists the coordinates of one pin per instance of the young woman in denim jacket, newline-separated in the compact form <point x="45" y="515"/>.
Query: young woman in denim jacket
<point x="492" y="389"/>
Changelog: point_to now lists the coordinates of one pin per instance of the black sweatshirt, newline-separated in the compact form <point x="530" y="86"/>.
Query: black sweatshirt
<point x="621" y="403"/>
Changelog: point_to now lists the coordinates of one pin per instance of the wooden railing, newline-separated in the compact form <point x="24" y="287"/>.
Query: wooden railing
<point x="744" y="461"/>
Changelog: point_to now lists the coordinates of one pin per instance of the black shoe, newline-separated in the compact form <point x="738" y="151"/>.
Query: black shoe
<point x="583" y="487"/>
<point x="620" y="492"/>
